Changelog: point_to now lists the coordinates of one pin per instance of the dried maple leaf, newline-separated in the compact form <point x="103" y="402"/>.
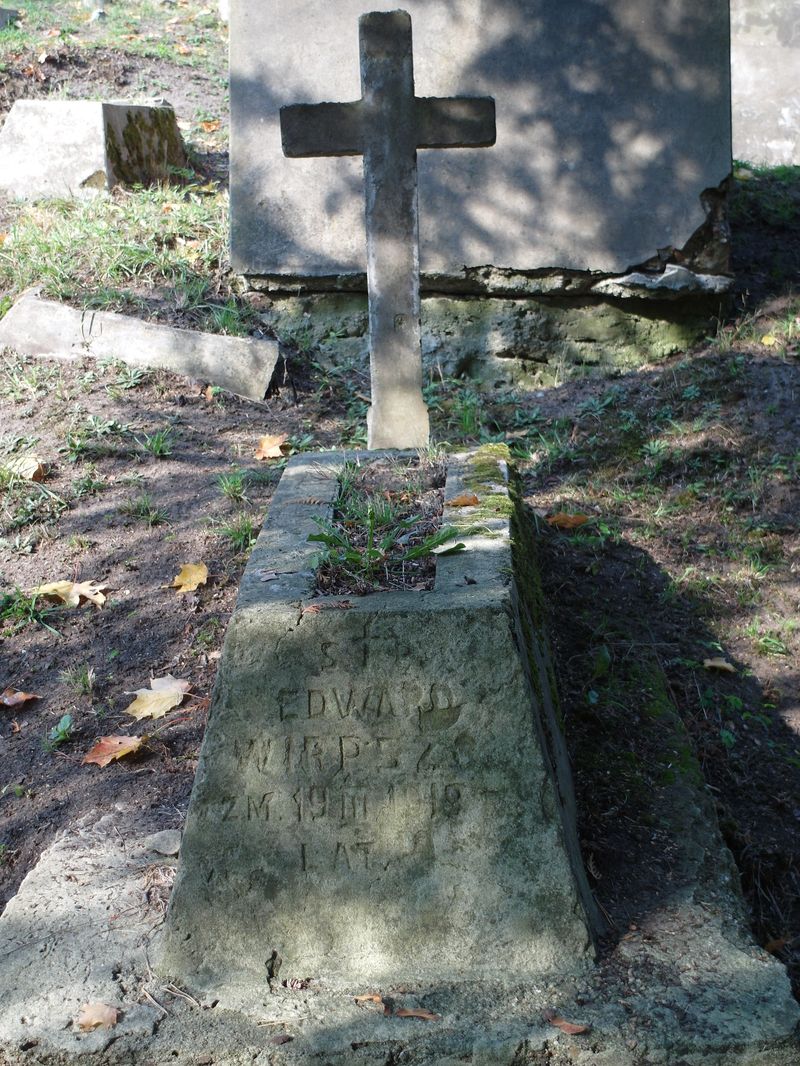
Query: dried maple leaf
<point x="464" y="499"/>
<point x="561" y="1023"/>
<point x="719" y="664"/>
<point x="368" y="997"/>
<point x="12" y="697"/>
<point x="190" y="577"/>
<point x="97" y="1016"/>
<point x="71" y="593"/>
<point x="562" y="520"/>
<point x="210" y="126"/>
<point x="27" y="467"/>
<point x="154" y="702"/>
<point x="109" y="748"/>
<point x="418" y="1012"/>
<point x="271" y="447"/>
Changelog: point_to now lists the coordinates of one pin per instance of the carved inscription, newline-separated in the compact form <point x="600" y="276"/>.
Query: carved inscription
<point x="359" y="774"/>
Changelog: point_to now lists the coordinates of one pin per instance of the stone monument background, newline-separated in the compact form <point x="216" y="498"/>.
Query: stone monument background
<point x="613" y="140"/>
<point x="765" y="68"/>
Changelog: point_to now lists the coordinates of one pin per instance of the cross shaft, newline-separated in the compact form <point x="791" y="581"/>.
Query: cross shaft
<point x="387" y="126"/>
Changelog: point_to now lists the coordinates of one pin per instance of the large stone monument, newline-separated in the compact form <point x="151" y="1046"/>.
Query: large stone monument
<point x="383" y="792"/>
<point x="765" y="61"/>
<point x="613" y="146"/>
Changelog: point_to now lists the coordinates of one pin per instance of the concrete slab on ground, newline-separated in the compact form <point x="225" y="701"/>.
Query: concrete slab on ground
<point x="56" y="148"/>
<point x="37" y="327"/>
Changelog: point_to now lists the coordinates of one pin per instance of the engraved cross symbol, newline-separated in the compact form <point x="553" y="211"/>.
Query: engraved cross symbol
<point x="387" y="126"/>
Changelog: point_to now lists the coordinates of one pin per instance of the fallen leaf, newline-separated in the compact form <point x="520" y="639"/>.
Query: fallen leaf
<point x="27" y="467"/>
<point x="464" y="499"/>
<point x="561" y="1023"/>
<point x="97" y="1016"/>
<point x="183" y="50"/>
<point x="154" y="702"/>
<point x="210" y="126"/>
<point x="425" y="1015"/>
<point x="719" y="664"/>
<point x="369" y="997"/>
<point x="109" y="748"/>
<point x="774" y="946"/>
<point x="72" y="592"/>
<point x="270" y="447"/>
<point x="54" y="32"/>
<point x="12" y="697"/>
<point x="769" y="341"/>
<point x="190" y="577"/>
<point x="562" y="520"/>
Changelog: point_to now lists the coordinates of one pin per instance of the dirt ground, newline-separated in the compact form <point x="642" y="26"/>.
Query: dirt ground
<point x="687" y="471"/>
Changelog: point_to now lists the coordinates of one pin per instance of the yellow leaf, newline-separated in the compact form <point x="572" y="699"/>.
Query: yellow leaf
<point x="769" y="341"/>
<point x="183" y="50"/>
<point x="719" y="664"/>
<point x="72" y="592"/>
<point x="211" y="126"/>
<point x="190" y="577"/>
<point x="154" y="702"/>
<point x="109" y="748"/>
<point x="97" y="1016"/>
<point x="271" y="447"/>
<point x="562" y="520"/>
<point x="464" y="499"/>
<point x="27" y="467"/>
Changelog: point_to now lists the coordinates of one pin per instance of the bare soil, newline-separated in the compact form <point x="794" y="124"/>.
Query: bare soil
<point x="688" y="471"/>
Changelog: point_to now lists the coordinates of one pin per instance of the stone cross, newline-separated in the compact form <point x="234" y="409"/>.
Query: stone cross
<point x="387" y="126"/>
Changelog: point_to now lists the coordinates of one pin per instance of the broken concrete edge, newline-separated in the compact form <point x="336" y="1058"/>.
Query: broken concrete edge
<point x="670" y="283"/>
<point x="47" y="329"/>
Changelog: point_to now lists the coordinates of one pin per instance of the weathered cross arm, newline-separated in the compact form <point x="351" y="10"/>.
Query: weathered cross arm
<point x="322" y="129"/>
<point x="455" y="122"/>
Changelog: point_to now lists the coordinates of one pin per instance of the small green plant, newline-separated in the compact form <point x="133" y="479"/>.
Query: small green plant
<point x="240" y="533"/>
<point x="143" y="507"/>
<point x="130" y="377"/>
<point x="88" y="484"/>
<point x="59" y="734"/>
<point x="232" y="486"/>
<point x="79" y="678"/>
<point x="158" y="444"/>
<point x="17" y="610"/>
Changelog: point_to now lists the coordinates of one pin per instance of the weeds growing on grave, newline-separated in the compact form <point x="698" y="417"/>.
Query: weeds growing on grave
<point x="18" y="610"/>
<point x="385" y="528"/>
<point x="142" y="507"/>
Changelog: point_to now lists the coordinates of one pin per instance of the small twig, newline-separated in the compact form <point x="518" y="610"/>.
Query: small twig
<point x="174" y="991"/>
<point x="155" y="1002"/>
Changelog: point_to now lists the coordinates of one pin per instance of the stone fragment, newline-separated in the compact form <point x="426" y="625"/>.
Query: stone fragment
<point x="167" y="842"/>
<point x="384" y="776"/>
<point x="243" y="365"/>
<point x="54" y="148"/>
<point x="674" y="279"/>
<point x="7" y="16"/>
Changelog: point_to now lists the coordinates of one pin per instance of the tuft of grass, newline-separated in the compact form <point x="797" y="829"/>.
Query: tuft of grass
<point x="18" y="610"/>
<point x="240" y="533"/>
<point x="233" y="486"/>
<point x="158" y="444"/>
<point x="142" y="507"/>
<point x="80" y="678"/>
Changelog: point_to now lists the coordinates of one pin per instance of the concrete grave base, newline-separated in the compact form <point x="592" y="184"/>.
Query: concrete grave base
<point x="53" y="148"/>
<point x="389" y="778"/>
<point x="53" y="330"/>
<point x="687" y="987"/>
